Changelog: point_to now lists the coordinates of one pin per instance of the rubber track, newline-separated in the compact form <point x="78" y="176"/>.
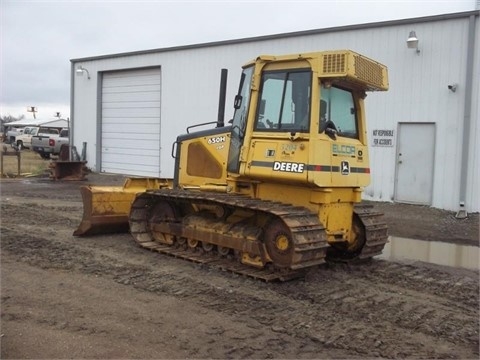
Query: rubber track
<point x="308" y="234"/>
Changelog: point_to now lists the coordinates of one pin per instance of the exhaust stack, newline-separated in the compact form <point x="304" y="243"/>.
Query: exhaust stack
<point x="222" y="98"/>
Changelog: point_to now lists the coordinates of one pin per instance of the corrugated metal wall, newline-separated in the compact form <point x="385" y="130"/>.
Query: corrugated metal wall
<point x="418" y="93"/>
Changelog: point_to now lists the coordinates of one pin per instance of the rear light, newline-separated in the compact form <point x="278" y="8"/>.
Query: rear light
<point x="51" y="142"/>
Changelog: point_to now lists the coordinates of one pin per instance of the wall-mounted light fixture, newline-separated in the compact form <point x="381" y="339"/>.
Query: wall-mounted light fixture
<point x="412" y="41"/>
<point x="81" y="69"/>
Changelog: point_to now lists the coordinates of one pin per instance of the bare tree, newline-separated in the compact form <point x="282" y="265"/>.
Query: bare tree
<point x="5" y="119"/>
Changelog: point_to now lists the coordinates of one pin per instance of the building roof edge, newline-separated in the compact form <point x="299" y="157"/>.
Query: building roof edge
<point x="431" y="18"/>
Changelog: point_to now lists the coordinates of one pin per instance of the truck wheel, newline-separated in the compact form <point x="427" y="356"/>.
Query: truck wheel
<point x="45" y="156"/>
<point x="20" y="145"/>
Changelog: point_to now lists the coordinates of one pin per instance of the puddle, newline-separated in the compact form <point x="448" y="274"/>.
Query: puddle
<point x="440" y="253"/>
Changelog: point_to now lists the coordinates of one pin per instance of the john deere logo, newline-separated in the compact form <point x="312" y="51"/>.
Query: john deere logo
<point x="345" y="166"/>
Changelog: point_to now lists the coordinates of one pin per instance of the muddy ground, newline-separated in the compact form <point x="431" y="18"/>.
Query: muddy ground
<point x="104" y="297"/>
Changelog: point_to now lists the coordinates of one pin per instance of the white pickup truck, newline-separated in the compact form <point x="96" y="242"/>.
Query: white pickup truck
<point x="12" y="133"/>
<point x="24" y="140"/>
<point x="47" y="144"/>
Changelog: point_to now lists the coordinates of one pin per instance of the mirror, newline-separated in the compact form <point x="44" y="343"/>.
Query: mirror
<point x="238" y="101"/>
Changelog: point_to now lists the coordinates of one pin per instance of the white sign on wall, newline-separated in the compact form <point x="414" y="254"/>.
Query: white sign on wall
<point x="382" y="137"/>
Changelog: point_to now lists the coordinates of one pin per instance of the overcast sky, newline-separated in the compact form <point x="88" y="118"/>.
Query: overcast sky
<point x="38" y="38"/>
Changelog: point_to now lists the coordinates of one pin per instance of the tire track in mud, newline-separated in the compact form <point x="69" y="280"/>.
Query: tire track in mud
<point x="407" y="313"/>
<point x="375" y="309"/>
<point x="31" y="214"/>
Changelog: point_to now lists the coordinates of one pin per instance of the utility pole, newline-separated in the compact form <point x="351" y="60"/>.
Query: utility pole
<point x="33" y="110"/>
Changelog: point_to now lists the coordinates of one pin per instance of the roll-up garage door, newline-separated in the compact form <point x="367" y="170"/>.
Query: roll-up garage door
<point x="131" y="122"/>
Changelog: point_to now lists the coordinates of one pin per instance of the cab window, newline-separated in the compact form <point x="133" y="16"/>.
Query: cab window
<point x="284" y="101"/>
<point x="337" y="111"/>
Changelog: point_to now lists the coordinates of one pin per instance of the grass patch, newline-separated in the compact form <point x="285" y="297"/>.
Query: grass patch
<point x="31" y="164"/>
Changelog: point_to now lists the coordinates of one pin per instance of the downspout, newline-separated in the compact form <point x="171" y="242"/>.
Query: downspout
<point x="462" y="211"/>
<point x="72" y="107"/>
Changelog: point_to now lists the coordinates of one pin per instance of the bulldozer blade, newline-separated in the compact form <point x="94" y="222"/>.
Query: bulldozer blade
<point x="106" y="208"/>
<point x="68" y="170"/>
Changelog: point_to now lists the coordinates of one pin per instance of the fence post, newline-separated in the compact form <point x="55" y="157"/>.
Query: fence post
<point x="5" y="153"/>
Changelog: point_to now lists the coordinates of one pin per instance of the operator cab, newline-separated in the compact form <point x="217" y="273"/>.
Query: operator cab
<point x="299" y="119"/>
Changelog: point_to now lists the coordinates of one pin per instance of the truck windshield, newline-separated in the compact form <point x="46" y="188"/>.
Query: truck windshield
<point x="284" y="101"/>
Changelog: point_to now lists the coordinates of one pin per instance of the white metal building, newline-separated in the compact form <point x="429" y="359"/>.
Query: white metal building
<point x="128" y="108"/>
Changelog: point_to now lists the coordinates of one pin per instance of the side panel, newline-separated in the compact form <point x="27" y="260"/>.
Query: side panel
<point x="278" y="160"/>
<point x="201" y="158"/>
<point x="340" y="163"/>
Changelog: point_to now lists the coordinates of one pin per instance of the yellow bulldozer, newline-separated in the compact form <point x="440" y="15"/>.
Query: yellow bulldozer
<point x="274" y="192"/>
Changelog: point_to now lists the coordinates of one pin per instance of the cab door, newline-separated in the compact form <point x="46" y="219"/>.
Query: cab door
<point x="340" y="158"/>
<point x="242" y="101"/>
